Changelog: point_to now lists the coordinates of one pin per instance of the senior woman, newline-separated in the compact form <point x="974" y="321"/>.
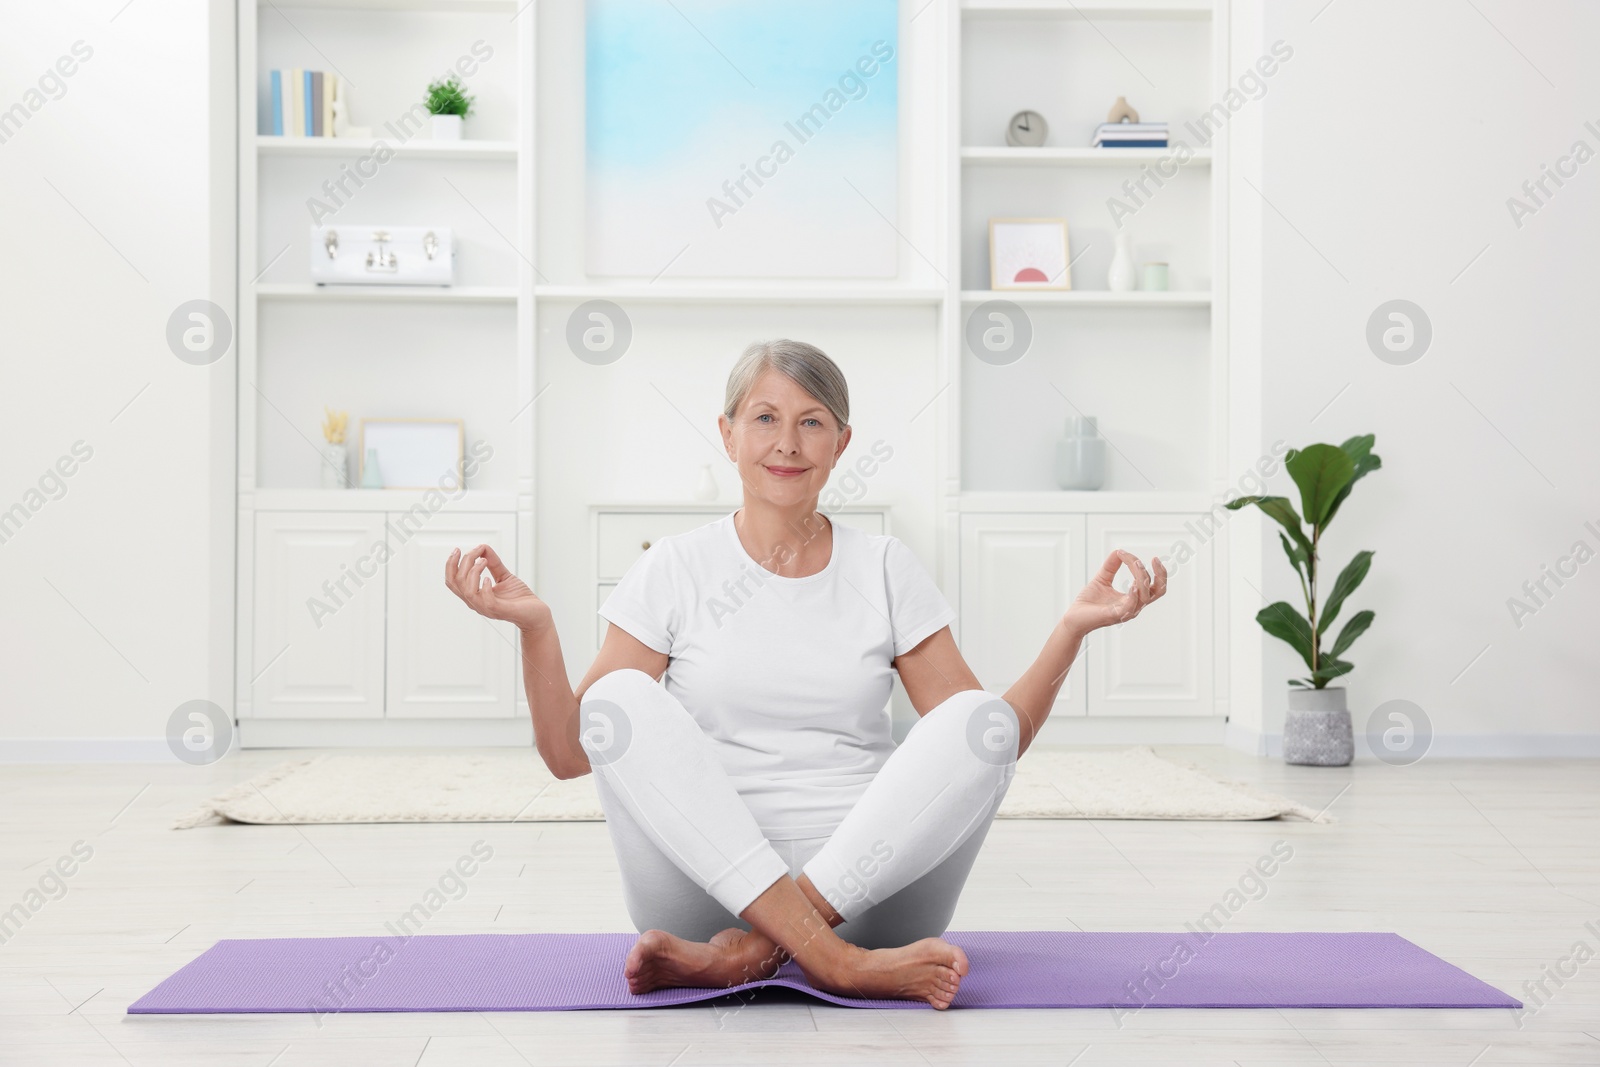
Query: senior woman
<point x="735" y="718"/>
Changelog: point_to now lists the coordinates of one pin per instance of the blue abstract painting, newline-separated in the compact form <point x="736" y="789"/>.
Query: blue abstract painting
<point x="745" y="139"/>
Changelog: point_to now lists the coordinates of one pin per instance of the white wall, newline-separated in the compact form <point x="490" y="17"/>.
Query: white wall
<point x="1393" y="139"/>
<point x="115" y="595"/>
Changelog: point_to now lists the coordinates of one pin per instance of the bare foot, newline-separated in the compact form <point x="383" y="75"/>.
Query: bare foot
<point x="930" y="969"/>
<point x="659" y="960"/>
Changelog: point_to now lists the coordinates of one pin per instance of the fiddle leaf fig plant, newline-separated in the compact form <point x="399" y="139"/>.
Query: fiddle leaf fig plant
<point x="1324" y="475"/>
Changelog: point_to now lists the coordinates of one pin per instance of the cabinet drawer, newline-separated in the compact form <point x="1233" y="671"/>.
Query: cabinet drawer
<point x="623" y="535"/>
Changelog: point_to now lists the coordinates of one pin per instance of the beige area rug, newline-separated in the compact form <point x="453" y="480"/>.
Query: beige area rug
<point x="513" y="786"/>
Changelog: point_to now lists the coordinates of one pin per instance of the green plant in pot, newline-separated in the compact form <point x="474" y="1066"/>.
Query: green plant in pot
<point x="448" y="103"/>
<point x="1317" y="730"/>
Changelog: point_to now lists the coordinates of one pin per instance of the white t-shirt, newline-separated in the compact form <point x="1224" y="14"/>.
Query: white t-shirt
<point x="789" y="677"/>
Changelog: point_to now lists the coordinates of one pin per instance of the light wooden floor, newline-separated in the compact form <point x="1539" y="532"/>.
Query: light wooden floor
<point x="1493" y="865"/>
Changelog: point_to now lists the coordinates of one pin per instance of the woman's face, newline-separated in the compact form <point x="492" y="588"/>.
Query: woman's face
<point x="784" y="441"/>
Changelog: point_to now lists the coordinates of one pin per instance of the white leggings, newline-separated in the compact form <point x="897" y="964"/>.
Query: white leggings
<point x="692" y="857"/>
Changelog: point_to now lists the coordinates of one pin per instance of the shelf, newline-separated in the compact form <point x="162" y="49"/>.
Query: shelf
<point x="269" y="145"/>
<point x="428" y="294"/>
<point x="464" y="6"/>
<point x="718" y="507"/>
<point x="370" y="500"/>
<point x="1091" y="297"/>
<point x="743" y="293"/>
<point x="1126" y="9"/>
<point x="1077" y="157"/>
<point x="1066" y="502"/>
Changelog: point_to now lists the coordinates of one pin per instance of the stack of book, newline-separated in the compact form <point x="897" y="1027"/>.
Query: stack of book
<point x="1130" y="135"/>
<point x="302" y="103"/>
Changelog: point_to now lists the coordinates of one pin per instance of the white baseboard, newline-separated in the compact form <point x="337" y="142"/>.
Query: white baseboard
<point x="280" y="733"/>
<point x="386" y="733"/>
<point x="1142" y="730"/>
<point x="85" y="750"/>
<point x="1472" y="746"/>
<point x="435" y="733"/>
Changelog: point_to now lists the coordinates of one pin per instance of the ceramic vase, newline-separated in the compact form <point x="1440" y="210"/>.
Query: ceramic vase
<point x="1081" y="455"/>
<point x="371" y="476"/>
<point x="335" y="467"/>
<point x="1317" y="731"/>
<point x="1121" y="277"/>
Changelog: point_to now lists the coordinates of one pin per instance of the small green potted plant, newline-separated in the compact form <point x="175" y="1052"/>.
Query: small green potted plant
<point x="448" y="103"/>
<point x="1317" y="730"/>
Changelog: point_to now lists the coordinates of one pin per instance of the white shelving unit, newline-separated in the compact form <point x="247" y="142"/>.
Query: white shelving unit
<point x="1152" y="365"/>
<point x="467" y="351"/>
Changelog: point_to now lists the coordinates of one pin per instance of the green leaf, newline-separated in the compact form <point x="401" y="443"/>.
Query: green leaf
<point x="447" y="97"/>
<point x="1282" y="511"/>
<point x="1297" y="557"/>
<point x="1353" y="629"/>
<point x="1282" y="621"/>
<point x="1353" y="574"/>
<point x="1359" y="449"/>
<point x="1321" y="472"/>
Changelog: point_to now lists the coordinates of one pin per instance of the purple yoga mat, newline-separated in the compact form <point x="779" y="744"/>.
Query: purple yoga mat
<point x="551" y="972"/>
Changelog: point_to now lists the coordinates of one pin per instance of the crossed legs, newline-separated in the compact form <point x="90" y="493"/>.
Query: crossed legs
<point x="717" y="902"/>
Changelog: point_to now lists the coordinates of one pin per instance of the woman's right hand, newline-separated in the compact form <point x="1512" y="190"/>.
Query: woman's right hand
<point x="505" y="597"/>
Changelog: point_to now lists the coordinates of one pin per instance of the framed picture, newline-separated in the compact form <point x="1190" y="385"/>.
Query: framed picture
<point x="1028" y="254"/>
<point x="414" y="453"/>
<point x="669" y="126"/>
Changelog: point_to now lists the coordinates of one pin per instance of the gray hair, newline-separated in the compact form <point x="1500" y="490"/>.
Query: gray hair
<point x="805" y="365"/>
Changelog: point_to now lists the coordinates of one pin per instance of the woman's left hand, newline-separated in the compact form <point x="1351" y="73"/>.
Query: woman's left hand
<point x="1099" y="604"/>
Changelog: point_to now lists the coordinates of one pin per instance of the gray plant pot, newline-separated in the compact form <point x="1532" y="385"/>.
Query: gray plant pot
<point x="1317" y="731"/>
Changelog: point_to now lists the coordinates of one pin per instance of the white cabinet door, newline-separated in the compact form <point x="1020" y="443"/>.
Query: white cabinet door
<point x="445" y="660"/>
<point x="319" y="607"/>
<point x="1161" y="662"/>
<point x="1018" y="575"/>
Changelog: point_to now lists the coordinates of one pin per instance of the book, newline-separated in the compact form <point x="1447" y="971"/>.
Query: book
<point x="315" y="119"/>
<point x="294" y="120"/>
<point x="1130" y="135"/>
<point x="330" y="89"/>
<point x="306" y="104"/>
<point x="275" y="125"/>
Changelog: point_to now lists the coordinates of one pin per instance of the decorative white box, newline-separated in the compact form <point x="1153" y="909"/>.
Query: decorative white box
<point x="383" y="255"/>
